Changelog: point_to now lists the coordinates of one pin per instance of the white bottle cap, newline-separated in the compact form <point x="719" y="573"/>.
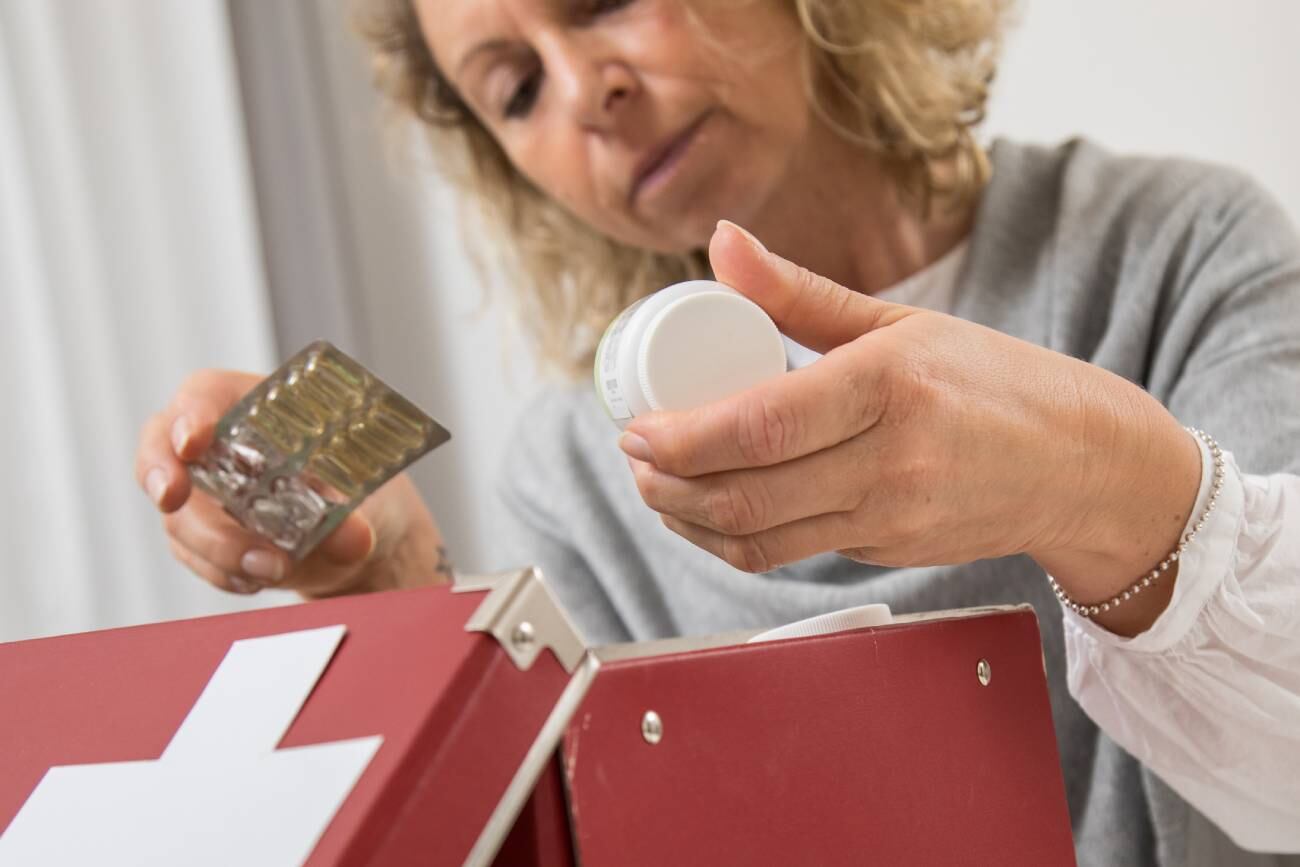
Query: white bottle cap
<point x="825" y="624"/>
<point x="704" y="347"/>
<point x="687" y="345"/>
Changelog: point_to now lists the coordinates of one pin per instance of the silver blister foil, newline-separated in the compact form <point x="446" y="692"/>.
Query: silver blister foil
<point x="308" y="444"/>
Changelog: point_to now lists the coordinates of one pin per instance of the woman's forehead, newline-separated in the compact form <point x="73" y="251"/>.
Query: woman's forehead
<point x="454" y="29"/>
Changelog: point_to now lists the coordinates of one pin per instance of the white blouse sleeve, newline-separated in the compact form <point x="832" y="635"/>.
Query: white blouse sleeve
<point x="1209" y="697"/>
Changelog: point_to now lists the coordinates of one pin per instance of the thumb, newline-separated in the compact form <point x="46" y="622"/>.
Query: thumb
<point x="808" y="308"/>
<point x="349" y="543"/>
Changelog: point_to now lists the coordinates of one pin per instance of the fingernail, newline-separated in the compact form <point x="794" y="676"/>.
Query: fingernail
<point x="242" y="585"/>
<point x="180" y="434"/>
<point x="155" y="484"/>
<point x="370" y="541"/>
<point x="263" y="566"/>
<point x="753" y="242"/>
<point x="636" y="447"/>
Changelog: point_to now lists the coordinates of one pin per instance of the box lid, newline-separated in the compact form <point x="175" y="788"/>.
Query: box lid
<point x="928" y="741"/>
<point x="452" y="703"/>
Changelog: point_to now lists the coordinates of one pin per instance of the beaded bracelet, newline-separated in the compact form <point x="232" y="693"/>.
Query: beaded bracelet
<point x="1154" y="575"/>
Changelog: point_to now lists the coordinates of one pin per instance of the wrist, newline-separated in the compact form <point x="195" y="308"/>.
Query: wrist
<point x="1138" y="478"/>
<point x="407" y="547"/>
<point x="417" y="558"/>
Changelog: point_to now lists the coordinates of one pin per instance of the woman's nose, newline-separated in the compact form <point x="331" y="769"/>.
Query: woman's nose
<point x="596" y="86"/>
<point x="617" y="86"/>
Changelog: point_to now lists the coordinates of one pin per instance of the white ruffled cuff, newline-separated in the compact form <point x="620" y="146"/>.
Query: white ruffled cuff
<point x="1209" y="697"/>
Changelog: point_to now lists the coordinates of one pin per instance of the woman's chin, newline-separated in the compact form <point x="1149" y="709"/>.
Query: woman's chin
<point x="673" y="234"/>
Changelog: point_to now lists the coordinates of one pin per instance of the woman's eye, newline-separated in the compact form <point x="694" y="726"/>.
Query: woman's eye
<point x="525" y="94"/>
<point x="592" y="8"/>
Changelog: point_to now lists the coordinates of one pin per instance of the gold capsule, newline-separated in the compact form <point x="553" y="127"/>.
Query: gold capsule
<point x="332" y="388"/>
<point x="334" y="474"/>
<point x="313" y="402"/>
<point x="294" y="413"/>
<point x="332" y="362"/>
<point x="398" y="421"/>
<point x="271" y="426"/>
<point x="379" y="446"/>
<point x="357" y="462"/>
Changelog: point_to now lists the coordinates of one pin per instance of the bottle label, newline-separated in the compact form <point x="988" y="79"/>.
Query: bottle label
<point x="606" y="367"/>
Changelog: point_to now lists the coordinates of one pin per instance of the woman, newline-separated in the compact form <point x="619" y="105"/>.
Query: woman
<point x="1014" y="342"/>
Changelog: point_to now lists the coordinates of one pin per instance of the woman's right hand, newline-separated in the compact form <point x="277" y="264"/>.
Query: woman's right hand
<point x="389" y="541"/>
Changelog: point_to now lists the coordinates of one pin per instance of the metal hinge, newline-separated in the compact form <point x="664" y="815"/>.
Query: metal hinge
<point x="524" y="616"/>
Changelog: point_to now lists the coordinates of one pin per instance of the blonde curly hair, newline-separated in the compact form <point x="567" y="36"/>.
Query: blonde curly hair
<point x="906" y="80"/>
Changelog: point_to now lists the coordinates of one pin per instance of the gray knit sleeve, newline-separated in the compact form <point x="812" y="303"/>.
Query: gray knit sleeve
<point x="535" y="484"/>
<point x="1229" y="352"/>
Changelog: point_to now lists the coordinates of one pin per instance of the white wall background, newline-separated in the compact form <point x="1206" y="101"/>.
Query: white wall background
<point x="1196" y="78"/>
<point x="129" y="250"/>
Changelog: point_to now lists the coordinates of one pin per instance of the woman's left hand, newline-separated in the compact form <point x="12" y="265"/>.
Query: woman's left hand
<point x="919" y="439"/>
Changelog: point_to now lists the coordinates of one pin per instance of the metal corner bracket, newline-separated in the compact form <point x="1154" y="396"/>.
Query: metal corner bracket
<point x="524" y="616"/>
<point x="522" y="613"/>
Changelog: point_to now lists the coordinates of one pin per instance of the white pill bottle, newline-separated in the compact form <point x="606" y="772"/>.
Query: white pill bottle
<point x="687" y="345"/>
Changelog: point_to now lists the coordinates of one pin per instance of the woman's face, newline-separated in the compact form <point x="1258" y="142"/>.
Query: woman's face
<point x="648" y="120"/>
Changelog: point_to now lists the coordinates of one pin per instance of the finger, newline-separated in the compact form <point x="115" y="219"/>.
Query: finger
<point x="770" y="549"/>
<point x="157" y="469"/>
<point x="205" y="529"/>
<point x="332" y="568"/>
<point x="792" y="415"/>
<point x="351" y="542"/>
<point x="210" y="573"/>
<point x="741" y="502"/>
<point x="810" y="309"/>
<point x="199" y="404"/>
<point x="181" y="432"/>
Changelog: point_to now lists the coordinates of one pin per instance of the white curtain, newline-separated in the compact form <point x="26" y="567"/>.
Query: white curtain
<point x="128" y="255"/>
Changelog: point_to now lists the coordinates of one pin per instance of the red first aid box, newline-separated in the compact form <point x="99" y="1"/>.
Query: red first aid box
<point x="927" y="741"/>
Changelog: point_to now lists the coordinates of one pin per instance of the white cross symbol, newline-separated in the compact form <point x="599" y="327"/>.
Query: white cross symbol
<point x="221" y="794"/>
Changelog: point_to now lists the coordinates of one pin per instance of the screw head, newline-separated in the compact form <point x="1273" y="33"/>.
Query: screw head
<point x="652" y="728"/>
<point x="523" y="635"/>
<point x="984" y="672"/>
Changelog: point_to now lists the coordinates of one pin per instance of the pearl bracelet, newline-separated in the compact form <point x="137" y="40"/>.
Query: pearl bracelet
<point x="1154" y="575"/>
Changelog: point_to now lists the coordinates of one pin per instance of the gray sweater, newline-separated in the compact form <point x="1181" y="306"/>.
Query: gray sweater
<point x="1183" y="278"/>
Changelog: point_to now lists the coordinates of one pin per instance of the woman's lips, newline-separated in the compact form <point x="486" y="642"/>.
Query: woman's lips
<point x="656" y="167"/>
